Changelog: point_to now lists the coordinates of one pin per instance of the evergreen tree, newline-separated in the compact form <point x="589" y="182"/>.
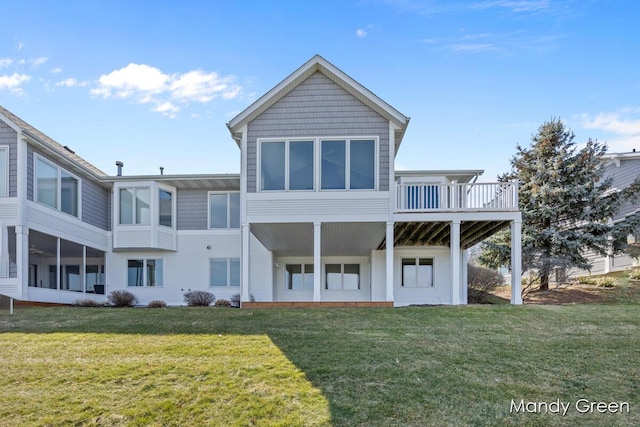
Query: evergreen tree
<point x="566" y="205"/>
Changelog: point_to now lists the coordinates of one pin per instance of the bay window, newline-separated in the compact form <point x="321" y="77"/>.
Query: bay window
<point x="165" y="208"/>
<point x="135" y="206"/>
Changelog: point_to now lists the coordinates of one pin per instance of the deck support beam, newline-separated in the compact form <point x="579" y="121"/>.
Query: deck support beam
<point x="389" y="261"/>
<point x="317" y="265"/>
<point x="516" y="262"/>
<point x="454" y="250"/>
<point x="244" y="261"/>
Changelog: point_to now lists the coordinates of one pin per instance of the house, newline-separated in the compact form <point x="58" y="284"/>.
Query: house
<point x="624" y="169"/>
<point x="316" y="215"/>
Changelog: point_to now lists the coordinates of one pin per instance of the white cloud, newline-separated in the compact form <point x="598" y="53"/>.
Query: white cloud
<point x="514" y="5"/>
<point x="360" y="33"/>
<point x="5" y="62"/>
<point x="144" y="84"/>
<point x="56" y="70"/>
<point x="624" y="130"/>
<point x="14" y="82"/>
<point x="38" y="61"/>
<point x="71" y="82"/>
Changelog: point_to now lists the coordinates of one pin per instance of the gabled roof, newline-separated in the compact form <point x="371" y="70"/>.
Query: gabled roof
<point x="54" y="147"/>
<point x="319" y="64"/>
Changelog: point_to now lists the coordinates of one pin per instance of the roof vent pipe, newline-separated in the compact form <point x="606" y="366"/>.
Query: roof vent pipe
<point x="634" y="150"/>
<point x="120" y="165"/>
<point x="161" y="170"/>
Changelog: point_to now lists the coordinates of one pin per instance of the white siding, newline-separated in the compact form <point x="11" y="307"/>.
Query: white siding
<point x="185" y="270"/>
<point x="50" y="221"/>
<point x="340" y="207"/>
<point x="260" y="271"/>
<point x="439" y="293"/>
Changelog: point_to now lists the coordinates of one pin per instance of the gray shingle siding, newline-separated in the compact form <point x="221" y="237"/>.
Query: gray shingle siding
<point x="192" y="209"/>
<point x="9" y="137"/>
<point x="95" y="204"/>
<point x="318" y="107"/>
<point x="623" y="176"/>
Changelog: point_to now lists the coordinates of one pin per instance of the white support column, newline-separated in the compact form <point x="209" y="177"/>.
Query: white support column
<point x="244" y="263"/>
<point x="465" y="261"/>
<point x="22" y="259"/>
<point x="83" y="272"/>
<point x="317" y="260"/>
<point x="516" y="261"/>
<point x="58" y="266"/>
<point x="389" y="261"/>
<point x="454" y="251"/>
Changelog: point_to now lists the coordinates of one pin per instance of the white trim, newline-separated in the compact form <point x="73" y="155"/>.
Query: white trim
<point x="228" y="194"/>
<point x="59" y="169"/>
<point x="5" y="188"/>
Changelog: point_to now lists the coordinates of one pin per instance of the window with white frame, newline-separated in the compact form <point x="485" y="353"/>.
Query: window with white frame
<point x="287" y="165"/>
<point x="135" y="206"/>
<point x="57" y="188"/>
<point x="145" y="272"/>
<point x="165" y="208"/>
<point x="4" y="171"/>
<point x="342" y="277"/>
<point x="224" y="210"/>
<point x="299" y="277"/>
<point x="348" y="164"/>
<point x="224" y="272"/>
<point x="417" y="272"/>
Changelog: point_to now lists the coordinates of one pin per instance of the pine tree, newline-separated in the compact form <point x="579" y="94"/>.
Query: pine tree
<point x="566" y="204"/>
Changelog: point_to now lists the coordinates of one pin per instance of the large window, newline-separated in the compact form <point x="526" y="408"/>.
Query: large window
<point x="224" y="210"/>
<point x="342" y="277"/>
<point x="348" y="164"/>
<point x="224" y="272"/>
<point x="4" y="171"/>
<point x="417" y="272"/>
<point x="299" y="277"/>
<point x="286" y="165"/>
<point x="145" y="272"/>
<point x="135" y="206"/>
<point x="165" y="208"/>
<point x="57" y="188"/>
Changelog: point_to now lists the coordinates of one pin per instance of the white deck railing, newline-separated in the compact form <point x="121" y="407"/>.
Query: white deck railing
<point x="483" y="196"/>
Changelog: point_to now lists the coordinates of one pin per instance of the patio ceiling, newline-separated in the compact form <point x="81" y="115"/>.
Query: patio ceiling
<point x="439" y="233"/>
<point x="337" y="239"/>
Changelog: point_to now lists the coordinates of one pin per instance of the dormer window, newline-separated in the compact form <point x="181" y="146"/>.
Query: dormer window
<point x="57" y="188"/>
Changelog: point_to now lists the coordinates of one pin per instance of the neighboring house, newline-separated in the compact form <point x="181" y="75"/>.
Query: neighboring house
<point x="317" y="214"/>
<point x="624" y="168"/>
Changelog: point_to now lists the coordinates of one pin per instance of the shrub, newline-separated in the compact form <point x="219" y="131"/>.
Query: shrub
<point x="199" y="298"/>
<point x="222" y="303"/>
<point x="235" y="300"/>
<point x="86" y="303"/>
<point x="480" y="281"/>
<point x="605" y="282"/>
<point x="634" y="274"/>
<point x="586" y="280"/>
<point x="156" y="304"/>
<point x="122" y="299"/>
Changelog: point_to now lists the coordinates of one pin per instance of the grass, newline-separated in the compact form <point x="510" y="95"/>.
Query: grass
<point x="368" y="367"/>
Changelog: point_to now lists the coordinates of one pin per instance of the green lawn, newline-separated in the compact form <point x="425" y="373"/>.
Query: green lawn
<point x="302" y="367"/>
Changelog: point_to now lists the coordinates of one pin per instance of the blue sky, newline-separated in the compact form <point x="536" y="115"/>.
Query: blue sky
<point x="153" y="83"/>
